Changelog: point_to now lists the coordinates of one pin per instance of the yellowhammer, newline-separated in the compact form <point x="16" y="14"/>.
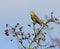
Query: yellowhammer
<point x="35" y="18"/>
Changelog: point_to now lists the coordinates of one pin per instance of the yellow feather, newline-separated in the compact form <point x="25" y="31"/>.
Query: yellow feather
<point x="35" y="18"/>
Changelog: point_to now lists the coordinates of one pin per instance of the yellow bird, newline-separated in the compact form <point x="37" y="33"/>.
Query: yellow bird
<point x="35" y="18"/>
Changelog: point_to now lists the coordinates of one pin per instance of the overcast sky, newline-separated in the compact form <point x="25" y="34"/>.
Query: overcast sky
<point x="13" y="11"/>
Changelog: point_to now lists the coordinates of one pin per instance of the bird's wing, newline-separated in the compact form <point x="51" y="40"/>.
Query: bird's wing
<point x="39" y="21"/>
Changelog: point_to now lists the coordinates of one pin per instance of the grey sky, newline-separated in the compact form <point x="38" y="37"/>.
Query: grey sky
<point x="13" y="11"/>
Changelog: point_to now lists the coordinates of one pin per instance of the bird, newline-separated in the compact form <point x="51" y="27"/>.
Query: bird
<point x="36" y="19"/>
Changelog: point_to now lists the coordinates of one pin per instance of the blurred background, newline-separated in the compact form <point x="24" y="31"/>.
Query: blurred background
<point x="13" y="11"/>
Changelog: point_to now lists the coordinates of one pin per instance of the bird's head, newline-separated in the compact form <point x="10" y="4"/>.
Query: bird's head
<point x="32" y="13"/>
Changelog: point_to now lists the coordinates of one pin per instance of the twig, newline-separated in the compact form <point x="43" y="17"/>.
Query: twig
<point x="50" y="20"/>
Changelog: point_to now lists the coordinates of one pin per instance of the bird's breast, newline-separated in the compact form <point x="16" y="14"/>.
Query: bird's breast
<point x="33" y="18"/>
